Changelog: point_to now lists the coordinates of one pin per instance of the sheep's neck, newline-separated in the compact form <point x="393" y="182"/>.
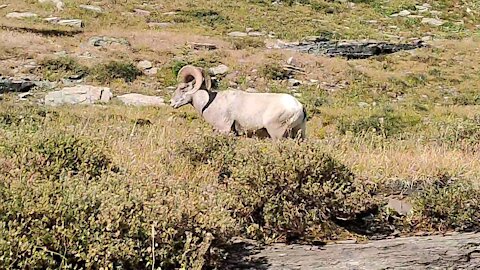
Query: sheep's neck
<point x="201" y="102"/>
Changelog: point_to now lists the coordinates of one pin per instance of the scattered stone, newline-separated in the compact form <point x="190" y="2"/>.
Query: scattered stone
<point x="204" y="46"/>
<point x="256" y="34"/>
<point x="435" y="12"/>
<point x="80" y="94"/>
<point x="23" y="96"/>
<point x="21" y="15"/>
<point x="404" y="13"/>
<point x="170" y="13"/>
<point x="421" y="7"/>
<point x="52" y="19"/>
<point x="58" y="3"/>
<point x="71" y="22"/>
<point x="151" y="72"/>
<point x="400" y="206"/>
<point x="3" y="6"/>
<point x="426" y="38"/>
<point x="415" y="16"/>
<point x="141" y="12"/>
<point x="160" y="24"/>
<point x="237" y="34"/>
<point x="433" y="22"/>
<point x="363" y="104"/>
<point x="141" y="100"/>
<point x="15" y="85"/>
<point x="106" y="41"/>
<point x="219" y="70"/>
<point x="291" y="61"/>
<point x="294" y="82"/>
<point x="145" y="64"/>
<point x="251" y="90"/>
<point x="92" y="8"/>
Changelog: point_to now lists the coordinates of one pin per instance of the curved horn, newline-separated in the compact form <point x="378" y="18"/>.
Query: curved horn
<point x="189" y="73"/>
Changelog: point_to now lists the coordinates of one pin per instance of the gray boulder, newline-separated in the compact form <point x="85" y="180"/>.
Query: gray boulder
<point x="141" y="100"/>
<point x="15" y="85"/>
<point x="21" y="15"/>
<point x="80" y="94"/>
<point x="105" y="41"/>
<point x="219" y="70"/>
<point x="96" y="9"/>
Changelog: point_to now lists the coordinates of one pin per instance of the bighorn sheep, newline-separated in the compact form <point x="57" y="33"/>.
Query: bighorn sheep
<point x="262" y="114"/>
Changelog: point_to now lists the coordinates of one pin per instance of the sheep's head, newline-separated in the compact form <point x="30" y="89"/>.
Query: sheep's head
<point x="191" y="79"/>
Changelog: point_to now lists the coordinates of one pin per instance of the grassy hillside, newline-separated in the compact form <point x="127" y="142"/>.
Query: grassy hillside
<point x="115" y="186"/>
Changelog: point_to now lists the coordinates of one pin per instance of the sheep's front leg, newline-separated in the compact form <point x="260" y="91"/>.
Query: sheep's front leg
<point x="226" y="129"/>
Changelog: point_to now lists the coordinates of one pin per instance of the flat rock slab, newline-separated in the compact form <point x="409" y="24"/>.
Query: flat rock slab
<point x="80" y="94"/>
<point x="21" y="15"/>
<point x="141" y="100"/>
<point x="15" y="85"/>
<point x="96" y="9"/>
<point x="461" y="251"/>
<point x="106" y="41"/>
<point x="349" y="49"/>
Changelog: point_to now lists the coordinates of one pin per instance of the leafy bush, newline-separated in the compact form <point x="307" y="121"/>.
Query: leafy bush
<point x="282" y="190"/>
<point x="247" y="42"/>
<point x="291" y="191"/>
<point x="386" y="122"/>
<point x="50" y="217"/>
<point x="447" y="204"/>
<point x="108" y="72"/>
<point x="57" y="68"/>
<point x="274" y="71"/>
<point x="61" y="155"/>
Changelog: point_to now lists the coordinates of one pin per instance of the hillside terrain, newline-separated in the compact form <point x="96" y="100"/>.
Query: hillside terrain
<point x="125" y="181"/>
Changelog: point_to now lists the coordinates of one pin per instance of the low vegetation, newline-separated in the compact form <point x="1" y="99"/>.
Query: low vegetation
<point x="113" y="186"/>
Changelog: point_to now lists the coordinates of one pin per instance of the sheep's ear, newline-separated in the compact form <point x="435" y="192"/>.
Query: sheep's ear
<point x="207" y="80"/>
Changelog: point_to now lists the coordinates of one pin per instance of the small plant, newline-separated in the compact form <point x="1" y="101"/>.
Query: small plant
<point x="57" y="68"/>
<point x="61" y="155"/>
<point x="274" y="71"/>
<point x="106" y="73"/>
<point x="447" y="204"/>
<point x="247" y="42"/>
<point x="386" y="122"/>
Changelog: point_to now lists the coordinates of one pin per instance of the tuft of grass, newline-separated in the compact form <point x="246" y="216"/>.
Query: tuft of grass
<point x="113" y="70"/>
<point x="54" y="69"/>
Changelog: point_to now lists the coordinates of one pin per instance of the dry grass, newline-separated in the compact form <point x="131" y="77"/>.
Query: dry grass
<point x="428" y="96"/>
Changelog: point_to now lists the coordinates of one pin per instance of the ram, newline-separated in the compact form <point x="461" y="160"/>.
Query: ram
<point x="271" y="115"/>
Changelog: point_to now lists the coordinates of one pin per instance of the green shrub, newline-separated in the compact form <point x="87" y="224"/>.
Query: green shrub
<point x="60" y="155"/>
<point x="247" y="42"/>
<point x="290" y="191"/>
<point x="386" y="122"/>
<point x="51" y="218"/>
<point x="447" y="204"/>
<point x="274" y="71"/>
<point x="93" y="225"/>
<point x="211" y="18"/>
<point x="57" y="68"/>
<point x="282" y="190"/>
<point x="108" y="72"/>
